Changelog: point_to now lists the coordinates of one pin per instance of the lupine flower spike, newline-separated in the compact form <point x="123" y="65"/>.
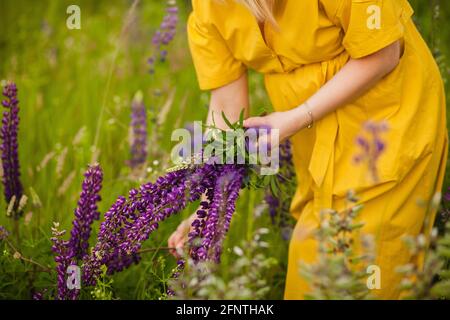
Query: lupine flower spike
<point x="61" y="251"/>
<point x="72" y="252"/>
<point x="9" y="149"/>
<point x="86" y="212"/>
<point x="138" y="127"/>
<point x="164" y="35"/>
<point x="279" y="204"/>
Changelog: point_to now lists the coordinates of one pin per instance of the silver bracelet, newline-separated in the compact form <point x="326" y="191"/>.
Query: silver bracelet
<point x="308" y="110"/>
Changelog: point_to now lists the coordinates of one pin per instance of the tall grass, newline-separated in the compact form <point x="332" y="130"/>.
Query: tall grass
<point x="76" y="88"/>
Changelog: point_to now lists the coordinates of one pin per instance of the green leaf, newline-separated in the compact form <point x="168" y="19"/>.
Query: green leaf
<point x="213" y="120"/>
<point x="262" y="111"/>
<point x="241" y="118"/>
<point x="274" y="188"/>
<point x="228" y="123"/>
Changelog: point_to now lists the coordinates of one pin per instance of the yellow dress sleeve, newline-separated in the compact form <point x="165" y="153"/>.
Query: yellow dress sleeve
<point x="215" y="65"/>
<point x="371" y="25"/>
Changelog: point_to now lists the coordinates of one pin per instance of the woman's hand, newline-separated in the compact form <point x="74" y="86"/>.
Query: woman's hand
<point x="287" y="122"/>
<point x="180" y="236"/>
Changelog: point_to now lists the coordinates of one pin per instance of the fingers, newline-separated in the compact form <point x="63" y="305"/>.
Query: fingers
<point x="178" y="239"/>
<point x="180" y="246"/>
<point x="254" y="122"/>
<point x="172" y="242"/>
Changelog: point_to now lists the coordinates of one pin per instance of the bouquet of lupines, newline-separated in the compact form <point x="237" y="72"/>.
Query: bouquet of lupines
<point x="131" y="220"/>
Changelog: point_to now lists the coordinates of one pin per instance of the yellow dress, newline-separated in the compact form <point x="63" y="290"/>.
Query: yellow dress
<point x="314" y="41"/>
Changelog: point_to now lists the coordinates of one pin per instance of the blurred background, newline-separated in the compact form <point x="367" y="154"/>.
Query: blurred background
<point x="76" y="89"/>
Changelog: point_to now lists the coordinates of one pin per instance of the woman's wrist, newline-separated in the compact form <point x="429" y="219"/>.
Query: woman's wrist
<point x="302" y="117"/>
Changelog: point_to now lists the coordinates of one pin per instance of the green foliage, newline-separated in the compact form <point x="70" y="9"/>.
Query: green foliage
<point x="432" y="281"/>
<point x="247" y="279"/>
<point x="340" y="272"/>
<point x="103" y="289"/>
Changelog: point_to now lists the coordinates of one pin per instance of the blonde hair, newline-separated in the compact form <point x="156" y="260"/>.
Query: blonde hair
<point x="261" y="9"/>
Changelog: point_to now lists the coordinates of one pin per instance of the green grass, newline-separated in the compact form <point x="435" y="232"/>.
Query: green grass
<point x="65" y="79"/>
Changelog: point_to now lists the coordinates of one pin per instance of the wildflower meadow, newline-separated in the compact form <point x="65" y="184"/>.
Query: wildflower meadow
<point x="92" y="93"/>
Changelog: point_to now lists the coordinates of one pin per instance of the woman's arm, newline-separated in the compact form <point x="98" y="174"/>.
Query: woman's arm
<point x="230" y="99"/>
<point x="353" y="80"/>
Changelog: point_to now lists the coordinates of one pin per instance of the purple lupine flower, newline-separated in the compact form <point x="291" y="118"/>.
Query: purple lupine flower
<point x="273" y="204"/>
<point x="9" y="148"/>
<point x="371" y="145"/>
<point x="199" y="224"/>
<point x="213" y="216"/>
<point x="61" y="250"/>
<point x="230" y="184"/>
<point x="130" y="221"/>
<point x="85" y="213"/>
<point x="138" y="127"/>
<point x="279" y="208"/>
<point x="176" y="274"/>
<point x="72" y="252"/>
<point x="164" y="35"/>
<point x="107" y="238"/>
<point x="212" y="226"/>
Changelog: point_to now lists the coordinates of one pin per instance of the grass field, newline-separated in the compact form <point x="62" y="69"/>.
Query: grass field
<point x="75" y="92"/>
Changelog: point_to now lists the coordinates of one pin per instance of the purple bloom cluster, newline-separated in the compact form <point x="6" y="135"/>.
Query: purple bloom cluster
<point x="164" y="35"/>
<point x="279" y="205"/>
<point x="176" y="274"/>
<point x="72" y="252"/>
<point x="9" y="147"/>
<point x="139" y="133"/>
<point x="38" y="295"/>
<point x="214" y="216"/>
<point x="86" y="212"/>
<point x="130" y="221"/>
<point x="61" y="250"/>
<point x="371" y="145"/>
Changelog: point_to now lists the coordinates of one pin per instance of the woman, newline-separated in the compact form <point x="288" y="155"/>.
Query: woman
<point x="329" y="67"/>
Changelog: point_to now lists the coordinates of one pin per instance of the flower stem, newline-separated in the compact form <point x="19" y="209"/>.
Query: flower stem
<point x="19" y="256"/>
